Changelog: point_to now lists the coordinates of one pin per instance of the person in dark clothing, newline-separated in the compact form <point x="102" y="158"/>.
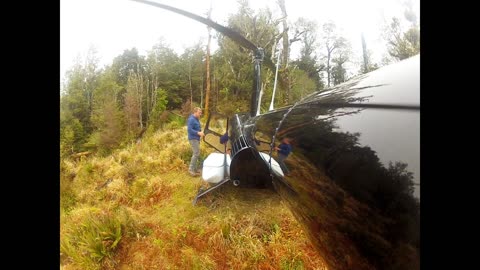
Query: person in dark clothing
<point x="194" y="131"/>
<point x="283" y="150"/>
<point x="224" y="140"/>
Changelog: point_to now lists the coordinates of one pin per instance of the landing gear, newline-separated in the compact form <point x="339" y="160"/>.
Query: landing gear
<point x="202" y="191"/>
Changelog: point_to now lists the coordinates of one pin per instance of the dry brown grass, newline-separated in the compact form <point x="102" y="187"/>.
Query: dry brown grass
<point x="233" y="228"/>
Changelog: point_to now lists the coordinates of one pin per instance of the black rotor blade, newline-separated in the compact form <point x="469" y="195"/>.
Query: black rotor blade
<point x="222" y="29"/>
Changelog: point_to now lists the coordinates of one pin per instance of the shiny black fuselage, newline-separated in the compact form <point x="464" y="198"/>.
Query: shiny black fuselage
<point x="355" y="166"/>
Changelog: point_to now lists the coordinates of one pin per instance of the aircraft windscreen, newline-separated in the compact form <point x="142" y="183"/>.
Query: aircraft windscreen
<point x="215" y="128"/>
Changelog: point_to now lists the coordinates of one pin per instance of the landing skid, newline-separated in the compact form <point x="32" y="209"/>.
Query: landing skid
<point x="202" y="192"/>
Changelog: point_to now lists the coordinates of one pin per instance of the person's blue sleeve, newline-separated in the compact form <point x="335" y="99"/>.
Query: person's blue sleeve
<point x="285" y="149"/>
<point x="191" y="127"/>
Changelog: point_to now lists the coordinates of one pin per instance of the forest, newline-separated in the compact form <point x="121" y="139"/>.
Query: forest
<point x="102" y="109"/>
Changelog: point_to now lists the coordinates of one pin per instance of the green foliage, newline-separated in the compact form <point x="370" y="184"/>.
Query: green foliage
<point x="129" y="61"/>
<point x="104" y="109"/>
<point x="156" y="118"/>
<point x="292" y="264"/>
<point x="107" y="116"/>
<point x="308" y="61"/>
<point x="161" y="103"/>
<point x="68" y="197"/>
<point x="76" y="104"/>
<point x="139" y="189"/>
<point x="78" y="93"/>
<point x="341" y="57"/>
<point x="339" y="74"/>
<point x="95" y="238"/>
<point x="93" y="142"/>
<point x="109" y="108"/>
<point x="337" y="47"/>
<point x="68" y="200"/>
<point x="233" y="69"/>
<point x="166" y="70"/>
<point x="72" y="135"/>
<point x="192" y="71"/>
<point x="67" y="137"/>
<point x="133" y="105"/>
<point x="234" y="106"/>
<point x="303" y="85"/>
<point x="175" y="121"/>
<point x="402" y="45"/>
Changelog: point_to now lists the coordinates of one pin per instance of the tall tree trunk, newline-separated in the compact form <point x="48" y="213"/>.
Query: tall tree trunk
<point x="365" y="56"/>
<point x="201" y="92"/>
<point x="139" y="84"/>
<point x="153" y="93"/>
<point x="207" y="62"/>
<point x="329" y="53"/>
<point x="286" y="52"/>
<point x="215" y="88"/>
<point x="207" y="91"/>
<point x="190" y="83"/>
<point x="286" y="49"/>
<point x="147" y="101"/>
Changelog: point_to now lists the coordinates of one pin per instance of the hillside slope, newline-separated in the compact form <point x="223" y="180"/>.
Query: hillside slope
<point x="133" y="210"/>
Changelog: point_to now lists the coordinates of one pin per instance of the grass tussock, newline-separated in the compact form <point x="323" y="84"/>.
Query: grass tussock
<point x="133" y="210"/>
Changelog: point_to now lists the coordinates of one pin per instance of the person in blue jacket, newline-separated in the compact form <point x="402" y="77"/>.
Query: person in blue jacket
<point x="194" y="131"/>
<point x="283" y="151"/>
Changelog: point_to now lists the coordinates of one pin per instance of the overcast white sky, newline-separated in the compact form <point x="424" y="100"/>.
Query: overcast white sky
<point x="113" y="26"/>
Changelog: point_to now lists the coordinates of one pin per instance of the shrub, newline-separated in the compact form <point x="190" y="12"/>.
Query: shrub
<point x="95" y="237"/>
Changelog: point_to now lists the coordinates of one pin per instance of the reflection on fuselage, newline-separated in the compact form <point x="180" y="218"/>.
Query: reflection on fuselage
<point x="352" y="169"/>
<point x="397" y="139"/>
<point x="348" y="198"/>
